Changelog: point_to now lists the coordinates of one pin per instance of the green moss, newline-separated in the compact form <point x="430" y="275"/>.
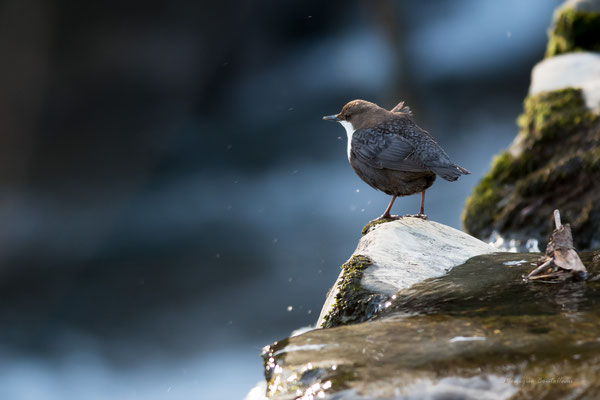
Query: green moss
<point x="373" y="223"/>
<point x="574" y="31"/>
<point x="353" y="303"/>
<point x="481" y="205"/>
<point x="552" y="115"/>
<point x="553" y="129"/>
<point x="592" y="160"/>
<point x="558" y="172"/>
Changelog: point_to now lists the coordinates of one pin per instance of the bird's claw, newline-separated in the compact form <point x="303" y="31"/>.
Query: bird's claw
<point x="419" y="215"/>
<point x="388" y="217"/>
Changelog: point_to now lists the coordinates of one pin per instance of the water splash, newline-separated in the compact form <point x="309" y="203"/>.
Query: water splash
<point x="513" y="245"/>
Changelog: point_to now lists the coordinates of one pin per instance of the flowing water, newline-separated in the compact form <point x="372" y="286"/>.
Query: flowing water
<point x="479" y="332"/>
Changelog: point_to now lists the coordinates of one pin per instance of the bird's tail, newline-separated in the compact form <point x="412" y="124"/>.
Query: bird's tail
<point x="451" y="172"/>
<point x="401" y="108"/>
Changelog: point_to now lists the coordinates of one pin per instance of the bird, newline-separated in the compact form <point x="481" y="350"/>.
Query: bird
<point x="388" y="151"/>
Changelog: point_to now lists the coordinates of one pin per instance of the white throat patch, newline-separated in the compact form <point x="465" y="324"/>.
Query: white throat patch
<point x="349" y="131"/>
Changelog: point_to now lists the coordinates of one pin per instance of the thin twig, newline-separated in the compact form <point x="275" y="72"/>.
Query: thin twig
<point x="557" y="219"/>
<point x="541" y="268"/>
<point x="550" y="275"/>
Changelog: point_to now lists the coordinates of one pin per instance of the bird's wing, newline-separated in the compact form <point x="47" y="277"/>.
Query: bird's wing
<point x="379" y="148"/>
<point x="426" y="148"/>
<point x="400" y="144"/>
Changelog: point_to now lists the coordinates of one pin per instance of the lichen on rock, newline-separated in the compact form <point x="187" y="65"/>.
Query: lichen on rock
<point x="373" y="223"/>
<point x="353" y="303"/>
<point x="574" y="30"/>
<point x="553" y="163"/>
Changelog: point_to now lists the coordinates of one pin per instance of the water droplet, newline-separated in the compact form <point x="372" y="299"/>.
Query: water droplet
<point x="532" y="246"/>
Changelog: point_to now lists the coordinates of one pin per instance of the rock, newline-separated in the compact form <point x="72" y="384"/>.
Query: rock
<point x="576" y="27"/>
<point x="554" y="162"/>
<point x="393" y="256"/>
<point x="573" y="70"/>
<point x="581" y="5"/>
<point x="478" y="332"/>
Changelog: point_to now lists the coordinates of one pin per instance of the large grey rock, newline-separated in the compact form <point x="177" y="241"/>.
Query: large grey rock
<point x="402" y="253"/>
<point x="576" y="70"/>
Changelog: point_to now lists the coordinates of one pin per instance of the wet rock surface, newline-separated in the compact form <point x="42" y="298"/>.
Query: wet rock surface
<point x="479" y="332"/>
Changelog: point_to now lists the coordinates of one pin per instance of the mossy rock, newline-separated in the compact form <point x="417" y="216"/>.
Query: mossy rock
<point x="373" y="223"/>
<point x="353" y="303"/>
<point x="553" y="163"/>
<point x="574" y="30"/>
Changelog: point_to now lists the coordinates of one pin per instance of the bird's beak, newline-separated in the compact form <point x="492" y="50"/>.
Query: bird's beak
<point x="331" y="118"/>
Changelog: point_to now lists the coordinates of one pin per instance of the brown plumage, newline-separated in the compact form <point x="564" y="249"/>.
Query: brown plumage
<point x="391" y="153"/>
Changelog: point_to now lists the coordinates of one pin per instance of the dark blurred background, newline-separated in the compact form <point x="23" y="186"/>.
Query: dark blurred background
<point x="170" y="199"/>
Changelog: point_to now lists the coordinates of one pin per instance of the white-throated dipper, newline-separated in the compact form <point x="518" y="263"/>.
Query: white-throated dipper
<point x="391" y="153"/>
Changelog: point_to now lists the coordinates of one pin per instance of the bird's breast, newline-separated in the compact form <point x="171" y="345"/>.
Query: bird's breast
<point x="349" y="132"/>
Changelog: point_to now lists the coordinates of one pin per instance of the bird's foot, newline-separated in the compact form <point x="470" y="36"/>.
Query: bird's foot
<point x="419" y="215"/>
<point x="387" y="217"/>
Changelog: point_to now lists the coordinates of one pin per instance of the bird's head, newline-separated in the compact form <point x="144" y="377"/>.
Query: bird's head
<point x="359" y="114"/>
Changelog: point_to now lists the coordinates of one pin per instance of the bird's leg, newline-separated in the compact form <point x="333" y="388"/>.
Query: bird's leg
<point x="422" y="210"/>
<point x="421" y="213"/>
<point x="386" y="214"/>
